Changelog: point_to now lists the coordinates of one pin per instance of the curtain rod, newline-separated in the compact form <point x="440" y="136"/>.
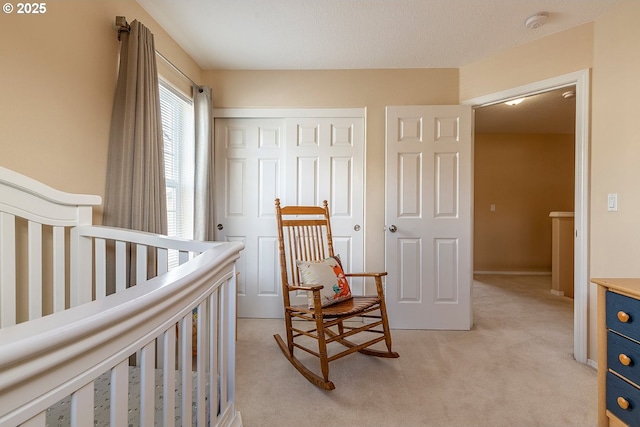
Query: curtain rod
<point x="121" y="25"/>
<point x="179" y="71"/>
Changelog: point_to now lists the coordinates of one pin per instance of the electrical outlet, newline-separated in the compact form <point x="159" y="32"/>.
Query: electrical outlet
<point x="492" y="207"/>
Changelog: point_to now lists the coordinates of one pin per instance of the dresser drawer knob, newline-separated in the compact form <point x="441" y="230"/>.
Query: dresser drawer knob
<point x="624" y="359"/>
<point x="623" y="403"/>
<point x="623" y="317"/>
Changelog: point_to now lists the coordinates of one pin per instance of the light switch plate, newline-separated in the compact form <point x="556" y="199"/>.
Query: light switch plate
<point x="612" y="202"/>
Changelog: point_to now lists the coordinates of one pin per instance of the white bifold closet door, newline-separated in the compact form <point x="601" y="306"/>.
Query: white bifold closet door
<point x="302" y="161"/>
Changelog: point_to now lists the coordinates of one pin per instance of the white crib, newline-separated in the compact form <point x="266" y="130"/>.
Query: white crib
<point x="98" y="328"/>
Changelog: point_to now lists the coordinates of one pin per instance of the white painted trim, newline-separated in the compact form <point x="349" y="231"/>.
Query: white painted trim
<point x="581" y="79"/>
<point x="288" y="112"/>
<point x="528" y="89"/>
<point x="513" y="273"/>
<point x="38" y="190"/>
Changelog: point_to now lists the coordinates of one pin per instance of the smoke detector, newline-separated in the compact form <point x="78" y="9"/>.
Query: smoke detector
<point x="536" y="21"/>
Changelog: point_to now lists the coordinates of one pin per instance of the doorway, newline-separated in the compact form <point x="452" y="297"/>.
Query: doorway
<point x="580" y="80"/>
<point x="523" y="170"/>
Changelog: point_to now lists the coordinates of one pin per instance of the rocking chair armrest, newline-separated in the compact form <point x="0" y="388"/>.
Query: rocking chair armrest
<point x="378" y="280"/>
<point x="366" y="274"/>
<point x="305" y="288"/>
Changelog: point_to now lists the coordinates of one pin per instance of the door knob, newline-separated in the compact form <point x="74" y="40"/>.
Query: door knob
<point x="220" y="226"/>
<point x="356" y="227"/>
<point x="393" y="228"/>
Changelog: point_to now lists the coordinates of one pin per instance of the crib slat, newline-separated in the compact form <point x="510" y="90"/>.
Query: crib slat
<point x="100" y="247"/>
<point x="141" y="264"/>
<point x="186" y="368"/>
<point x="183" y="256"/>
<point x="224" y="341"/>
<point x="169" y="376"/>
<point x="163" y="260"/>
<point x="201" y="359"/>
<point x="81" y="263"/>
<point x="7" y="270"/>
<point x="227" y="340"/>
<point x="231" y="307"/>
<point x="119" y="395"/>
<point x="213" y="354"/>
<point x="82" y="406"/>
<point x="35" y="270"/>
<point x="121" y="266"/>
<point x="58" y="269"/>
<point x="147" y="384"/>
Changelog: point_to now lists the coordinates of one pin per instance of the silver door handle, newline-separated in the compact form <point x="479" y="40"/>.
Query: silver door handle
<point x="220" y="227"/>
<point x="356" y="227"/>
<point x="393" y="228"/>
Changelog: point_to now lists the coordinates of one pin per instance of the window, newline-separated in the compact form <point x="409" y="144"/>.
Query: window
<point x="179" y="159"/>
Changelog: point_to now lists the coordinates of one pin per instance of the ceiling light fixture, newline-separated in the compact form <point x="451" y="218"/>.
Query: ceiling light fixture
<point x="514" y="101"/>
<point x="536" y="21"/>
<point x="569" y="94"/>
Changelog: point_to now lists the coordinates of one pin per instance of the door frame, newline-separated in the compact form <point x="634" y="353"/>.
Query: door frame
<point x="581" y="80"/>
<point x="302" y="112"/>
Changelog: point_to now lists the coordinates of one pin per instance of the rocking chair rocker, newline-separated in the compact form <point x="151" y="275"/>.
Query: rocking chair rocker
<point x="306" y="259"/>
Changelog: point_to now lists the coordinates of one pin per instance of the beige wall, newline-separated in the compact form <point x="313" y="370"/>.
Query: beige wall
<point x="525" y="177"/>
<point x="57" y="78"/>
<point x="615" y="147"/>
<point x="615" y="151"/>
<point x="555" y="55"/>
<point x="373" y="89"/>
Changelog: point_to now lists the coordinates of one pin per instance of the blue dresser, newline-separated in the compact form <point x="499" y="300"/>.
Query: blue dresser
<point x="618" y="352"/>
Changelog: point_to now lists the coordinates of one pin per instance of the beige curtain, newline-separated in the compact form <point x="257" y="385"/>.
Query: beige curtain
<point x="135" y="195"/>
<point x="204" y="226"/>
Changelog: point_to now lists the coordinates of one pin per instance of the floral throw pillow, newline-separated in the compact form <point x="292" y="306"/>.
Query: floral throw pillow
<point x="327" y="272"/>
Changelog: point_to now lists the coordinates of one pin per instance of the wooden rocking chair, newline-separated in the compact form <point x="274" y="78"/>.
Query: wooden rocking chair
<point x="304" y="237"/>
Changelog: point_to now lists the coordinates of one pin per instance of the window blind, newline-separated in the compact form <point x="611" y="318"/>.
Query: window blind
<point x="179" y="159"/>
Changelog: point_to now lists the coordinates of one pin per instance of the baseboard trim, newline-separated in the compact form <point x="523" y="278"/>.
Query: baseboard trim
<point x="515" y="273"/>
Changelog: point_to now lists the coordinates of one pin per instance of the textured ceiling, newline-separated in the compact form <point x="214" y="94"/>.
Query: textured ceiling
<point x="355" y="34"/>
<point x="365" y="34"/>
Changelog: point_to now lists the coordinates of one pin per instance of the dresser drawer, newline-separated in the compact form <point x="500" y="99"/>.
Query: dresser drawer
<point x="620" y="394"/>
<point x="623" y="356"/>
<point x="623" y="315"/>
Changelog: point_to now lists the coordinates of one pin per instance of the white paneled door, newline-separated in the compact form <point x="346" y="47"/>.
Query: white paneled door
<point x="249" y="174"/>
<point x="429" y="199"/>
<point x="301" y="161"/>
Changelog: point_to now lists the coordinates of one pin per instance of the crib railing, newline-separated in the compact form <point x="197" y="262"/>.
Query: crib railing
<point x="84" y="309"/>
<point x="44" y="360"/>
<point x="43" y="263"/>
<point x="134" y="257"/>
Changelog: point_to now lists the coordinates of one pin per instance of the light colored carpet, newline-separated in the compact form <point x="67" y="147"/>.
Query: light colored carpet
<point x="514" y="368"/>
